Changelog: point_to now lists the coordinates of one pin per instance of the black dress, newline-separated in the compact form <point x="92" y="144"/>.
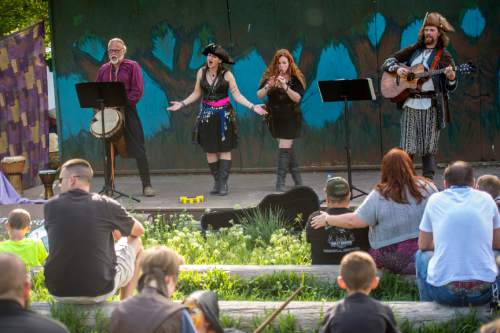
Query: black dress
<point x="215" y="128"/>
<point x="285" y="118"/>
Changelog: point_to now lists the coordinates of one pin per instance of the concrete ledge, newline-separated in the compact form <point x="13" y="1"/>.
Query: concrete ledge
<point x="321" y="272"/>
<point x="307" y="314"/>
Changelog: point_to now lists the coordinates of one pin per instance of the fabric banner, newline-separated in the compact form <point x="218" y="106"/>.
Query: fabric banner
<point x="23" y="100"/>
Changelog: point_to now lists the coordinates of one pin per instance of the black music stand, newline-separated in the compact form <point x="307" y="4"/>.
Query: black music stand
<point x="347" y="90"/>
<point x="99" y="95"/>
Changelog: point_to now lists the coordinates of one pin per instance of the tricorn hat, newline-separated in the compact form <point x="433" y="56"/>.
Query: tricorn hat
<point x="439" y="21"/>
<point x="219" y="51"/>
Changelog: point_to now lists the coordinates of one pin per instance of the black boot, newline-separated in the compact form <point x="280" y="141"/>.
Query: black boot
<point x="283" y="162"/>
<point x="224" y="169"/>
<point x="143" y="166"/>
<point x="428" y="166"/>
<point x="294" y="169"/>
<point x="214" y="170"/>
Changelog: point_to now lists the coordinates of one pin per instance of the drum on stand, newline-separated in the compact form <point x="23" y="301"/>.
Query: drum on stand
<point x="13" y="167"/>
<point x="113" y="128"/>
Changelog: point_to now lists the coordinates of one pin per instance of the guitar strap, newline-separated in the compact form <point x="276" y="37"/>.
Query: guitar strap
<point x="436" y="60"/>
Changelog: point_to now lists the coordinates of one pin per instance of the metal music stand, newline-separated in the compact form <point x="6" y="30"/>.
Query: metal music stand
<point x="99" y="95"/>
<point x="344" y="91"/>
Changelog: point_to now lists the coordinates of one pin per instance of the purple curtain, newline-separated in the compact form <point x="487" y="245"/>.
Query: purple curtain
<point x="23" y="100"/>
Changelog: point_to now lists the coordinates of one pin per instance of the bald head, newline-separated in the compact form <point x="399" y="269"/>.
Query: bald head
<point x="459" y="173"/>
<point x="13" y="278"/>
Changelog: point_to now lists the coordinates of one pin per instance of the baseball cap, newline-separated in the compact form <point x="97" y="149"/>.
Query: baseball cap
<point x="337" y="188"/>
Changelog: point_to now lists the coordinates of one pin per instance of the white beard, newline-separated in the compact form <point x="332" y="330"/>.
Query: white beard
<point x="115" y="60"/>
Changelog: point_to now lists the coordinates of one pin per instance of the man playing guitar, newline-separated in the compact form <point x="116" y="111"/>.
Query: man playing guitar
<point x="425" y="110"/>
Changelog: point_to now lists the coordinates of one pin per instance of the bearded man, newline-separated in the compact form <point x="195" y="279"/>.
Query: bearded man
<point x="425" y="112"/>
<point x="129" y="72"/>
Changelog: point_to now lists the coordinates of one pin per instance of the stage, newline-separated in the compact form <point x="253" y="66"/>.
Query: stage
<point x="246" y="189"/>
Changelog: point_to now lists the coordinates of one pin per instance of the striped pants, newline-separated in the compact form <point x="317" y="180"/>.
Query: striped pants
<point x="419" y="131"/>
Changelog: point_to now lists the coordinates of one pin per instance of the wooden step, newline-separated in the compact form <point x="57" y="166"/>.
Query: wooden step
<point x="307" y="314"/>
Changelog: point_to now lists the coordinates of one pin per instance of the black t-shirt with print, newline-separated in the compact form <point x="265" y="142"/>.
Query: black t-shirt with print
<point x="82" y="257"/>
<point x="330" y="244"/>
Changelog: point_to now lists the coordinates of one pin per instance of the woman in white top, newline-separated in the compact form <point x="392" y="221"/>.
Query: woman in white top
<point x="392" y="211"/>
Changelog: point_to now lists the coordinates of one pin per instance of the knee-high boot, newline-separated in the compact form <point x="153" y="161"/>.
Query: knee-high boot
<point x="428" y="166"/>
<point x="294" y="169"/>
<point x="214" y="170"/>
<point x="283" y="162"/>
<point x="224" y="170"/>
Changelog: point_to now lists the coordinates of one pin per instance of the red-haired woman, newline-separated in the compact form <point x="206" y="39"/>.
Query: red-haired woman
<point x="392" y="211"/>
<point x="283" y="83"/>
<point x="215" y="128"/>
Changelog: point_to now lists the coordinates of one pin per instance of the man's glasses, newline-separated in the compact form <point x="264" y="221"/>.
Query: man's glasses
<point x="61" y="178"/>
<point x="114" y="50"/>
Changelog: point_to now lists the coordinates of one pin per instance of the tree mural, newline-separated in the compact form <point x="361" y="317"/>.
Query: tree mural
<point x="329" y="39"/>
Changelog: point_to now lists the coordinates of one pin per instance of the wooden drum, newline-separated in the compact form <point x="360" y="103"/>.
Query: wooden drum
<point x="113" y="128"/>
<point x="13" y="167"/>
<point x="48" y="177"/>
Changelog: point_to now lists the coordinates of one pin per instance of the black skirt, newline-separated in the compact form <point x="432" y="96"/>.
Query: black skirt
<point x="215" y="129"/>
<point x="284" y="118"/>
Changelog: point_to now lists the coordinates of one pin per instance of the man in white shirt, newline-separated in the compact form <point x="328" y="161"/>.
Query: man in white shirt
<point x="459" y="231"/>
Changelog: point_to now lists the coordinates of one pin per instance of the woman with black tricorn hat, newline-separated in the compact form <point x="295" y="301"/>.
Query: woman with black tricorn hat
<point x="215" y="128"/>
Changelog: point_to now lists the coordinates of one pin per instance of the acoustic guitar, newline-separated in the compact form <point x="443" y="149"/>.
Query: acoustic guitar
<point x="397" y="88"/>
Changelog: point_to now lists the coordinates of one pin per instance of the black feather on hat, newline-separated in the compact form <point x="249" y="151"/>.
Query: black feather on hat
<point x="219" y="51"/>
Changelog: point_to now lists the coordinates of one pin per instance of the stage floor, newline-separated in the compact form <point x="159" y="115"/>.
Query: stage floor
<point x="245" y="189"/>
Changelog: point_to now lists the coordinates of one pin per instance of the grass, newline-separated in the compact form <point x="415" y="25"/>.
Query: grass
<point x="242" y="244"/>
<point x="461" y="324"/>
<point x="273" y="287"/>
<point x="76" y="320"/>
<point x="261" y="225"/>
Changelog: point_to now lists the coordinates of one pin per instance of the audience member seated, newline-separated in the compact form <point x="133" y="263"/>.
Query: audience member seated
<point x="204" y="308"/>
<point x="152" y="310"/>
<point x="15" y="290"/>
<point x="456" y="263"/>
<point x="330" y="244"/>
<point x="392" y="211"/>
<point x="491" y="327"/>
<point x="31" y="251"/>
<point x="491" y="185"/>
<point x="358" y="312"/>
<point x="84" y="264"/>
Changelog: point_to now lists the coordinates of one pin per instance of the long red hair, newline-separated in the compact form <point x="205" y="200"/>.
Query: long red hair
<point x="272" y="69"/>
<point x="398" y="176"/>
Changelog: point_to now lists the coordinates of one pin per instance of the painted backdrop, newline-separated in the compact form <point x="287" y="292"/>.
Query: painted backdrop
<point x="330" y="39"/>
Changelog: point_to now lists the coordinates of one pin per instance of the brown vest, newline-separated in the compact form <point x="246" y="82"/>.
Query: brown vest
<point x="148" y="312"/>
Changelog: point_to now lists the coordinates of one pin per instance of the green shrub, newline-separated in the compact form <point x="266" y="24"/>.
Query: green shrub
<point x="75" y="318"/>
